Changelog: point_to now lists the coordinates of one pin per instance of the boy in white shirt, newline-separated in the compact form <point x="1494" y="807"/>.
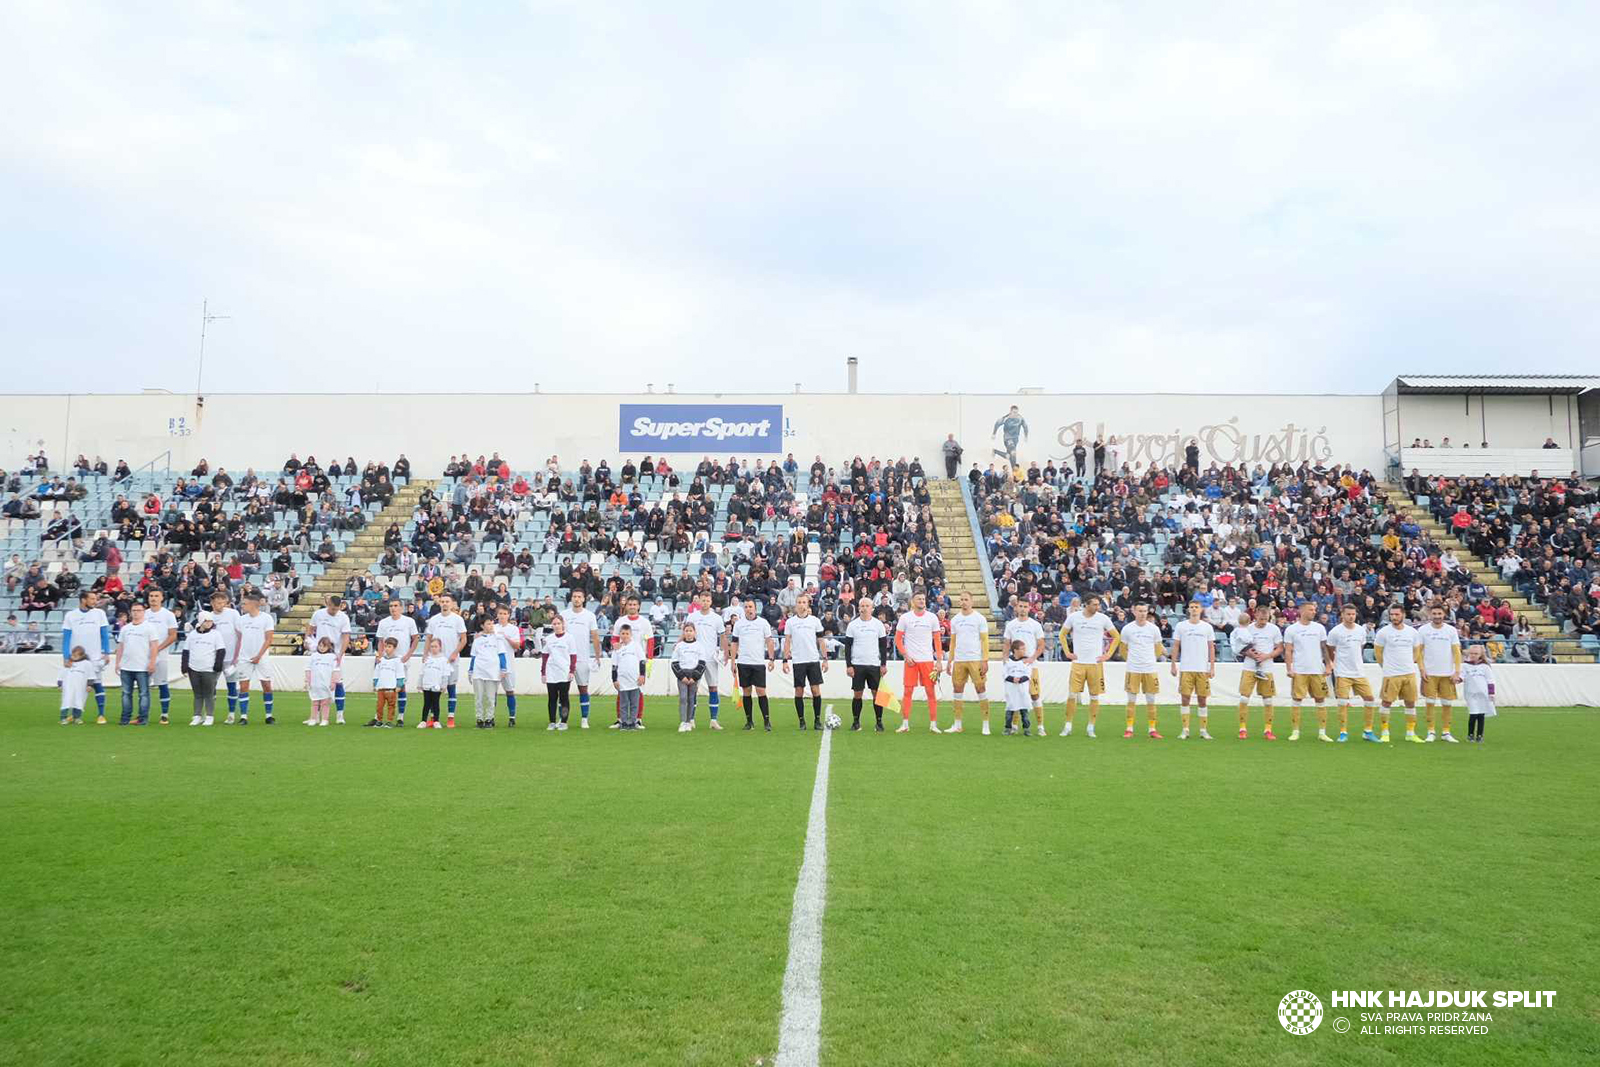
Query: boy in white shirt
<point x="487" y="670"/>
<point x="135" y="645"/>
<point x="1026" y="629"/>
<point x="627" y="671"/>
<point x="386" y="677"/>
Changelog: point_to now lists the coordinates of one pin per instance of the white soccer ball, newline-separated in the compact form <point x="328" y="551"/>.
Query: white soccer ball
<point x="833" y="721"/>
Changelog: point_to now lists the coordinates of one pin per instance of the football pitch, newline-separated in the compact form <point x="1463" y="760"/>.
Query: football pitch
<point x="290" y="895"/>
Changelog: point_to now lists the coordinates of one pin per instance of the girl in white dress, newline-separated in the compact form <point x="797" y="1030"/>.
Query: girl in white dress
<point x="1477" y="682"/>
<point x="322" y="674"/>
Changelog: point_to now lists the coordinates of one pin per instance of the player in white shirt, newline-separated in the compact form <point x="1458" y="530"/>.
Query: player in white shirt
<point x="753" y="649"/>
<point x="511" y="635"/>
<point x="642" y="635"/>
<point x="225" y="617"/>
<point x="865" y="645"/>
<point x="1257" y="642"/>
<point x="1088" y="638"/>
<point x="968" y="659"/>
<point x="255" y="655"/>
<point x="709" y="630"/>
<point x="332" y="622"/>
<point x="1346" y="641"/>
<point x="1398" y="647"/>
<point x="1142" y="640"/>
<point x="134" y="644"/>
<point x="1194" y="662"/>
<point x="584" y="633"/>
<point x="1441" y="670"/>
<point x="805" y="650"/>
<point x="159" y="616"/>
<point x="451" y="629"/>
<point x="1022" y="627"/>
<point x="403" y="628"/>
<point x="87" y="628"/>
<point x="918" y="637"/>
<point x="1305" y="652"/>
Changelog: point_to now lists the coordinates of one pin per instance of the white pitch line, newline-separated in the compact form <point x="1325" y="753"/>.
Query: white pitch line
<point x="800" y="1028"/>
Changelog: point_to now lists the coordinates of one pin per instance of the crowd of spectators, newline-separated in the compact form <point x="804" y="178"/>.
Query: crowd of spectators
<point x="1232" y="536"/>
<point x="1538" y="532"/>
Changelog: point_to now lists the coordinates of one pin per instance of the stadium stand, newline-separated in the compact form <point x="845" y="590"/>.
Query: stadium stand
<point x="121" y="532"/>
<point x="1516" y="575"/>
<point x="1227" y="536"/>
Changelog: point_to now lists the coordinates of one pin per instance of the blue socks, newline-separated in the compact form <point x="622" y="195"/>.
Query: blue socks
<point x="233" y="697"/>
<point x="100" y="697"/>
<point x="711" y="698"/>
<point x="511" y="703"/>
<point x="338" y="698"/>
<point x="266" y="700"/>
<point x="165" y="692"/>
<point x="244" y="704"/>
<point x="450" y="698"/>
<point x="402" y="699"/>
<point x="583" y="705"/>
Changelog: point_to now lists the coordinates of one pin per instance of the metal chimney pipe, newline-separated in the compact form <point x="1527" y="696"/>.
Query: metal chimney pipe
<point x="851" y="365"/>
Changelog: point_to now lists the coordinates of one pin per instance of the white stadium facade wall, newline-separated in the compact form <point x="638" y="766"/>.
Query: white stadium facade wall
<point x="1517" y="685"/>
<point x="238" y="430"/>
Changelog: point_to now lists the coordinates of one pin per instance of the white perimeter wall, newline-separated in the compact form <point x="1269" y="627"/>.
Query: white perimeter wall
<point x="261" y="430"/>
<point x="1517" y="685"/>
<point x="1511" y="420"/>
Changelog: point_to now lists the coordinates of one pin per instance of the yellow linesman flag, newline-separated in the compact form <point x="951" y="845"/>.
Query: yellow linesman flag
<point x="886" y="699"/>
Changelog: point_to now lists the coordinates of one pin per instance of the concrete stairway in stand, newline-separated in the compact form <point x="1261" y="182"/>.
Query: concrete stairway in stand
<point x="1563" y="649"/>
<point x="963" y="559"/>
<point x="363" y="552"/>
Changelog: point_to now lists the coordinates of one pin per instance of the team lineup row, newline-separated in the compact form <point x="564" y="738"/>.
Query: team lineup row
<point x="231" y="648"/>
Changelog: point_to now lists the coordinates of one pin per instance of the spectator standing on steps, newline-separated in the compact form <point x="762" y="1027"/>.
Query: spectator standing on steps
<point x="952" y="455"/>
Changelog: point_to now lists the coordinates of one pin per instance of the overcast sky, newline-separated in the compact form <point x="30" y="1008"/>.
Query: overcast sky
<point x="971" y="196"/>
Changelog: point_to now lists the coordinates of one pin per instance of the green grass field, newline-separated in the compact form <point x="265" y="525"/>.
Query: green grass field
<point x="298" y="896"/>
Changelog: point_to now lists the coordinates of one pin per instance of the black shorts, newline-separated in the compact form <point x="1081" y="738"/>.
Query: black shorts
<point x="752" y="674"/>
<point x="866" y="678"/>
<point x="807" y="674"/>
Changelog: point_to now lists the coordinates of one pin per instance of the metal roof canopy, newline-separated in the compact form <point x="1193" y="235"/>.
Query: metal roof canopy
<point x="1494" y="383"/>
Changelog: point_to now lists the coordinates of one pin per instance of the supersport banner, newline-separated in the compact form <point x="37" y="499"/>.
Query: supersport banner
<point x="705" y="428"/>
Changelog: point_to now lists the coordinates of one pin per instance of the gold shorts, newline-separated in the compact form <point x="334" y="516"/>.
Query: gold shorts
<point x="1194" y="683"/>
<point x="1400" y="688"/>
<point x="1091" y="674"/>
<point x="1134" y="684"/>
<point x="964" y="671"/>
<point x="1312" y="685"/>
<point x="1249" y="685"/>
<point x="1345" y="688"/>
<point x="1438" y="687"/>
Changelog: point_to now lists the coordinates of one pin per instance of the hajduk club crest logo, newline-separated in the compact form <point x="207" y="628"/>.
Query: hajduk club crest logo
<point x="1300" y="1012"/>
